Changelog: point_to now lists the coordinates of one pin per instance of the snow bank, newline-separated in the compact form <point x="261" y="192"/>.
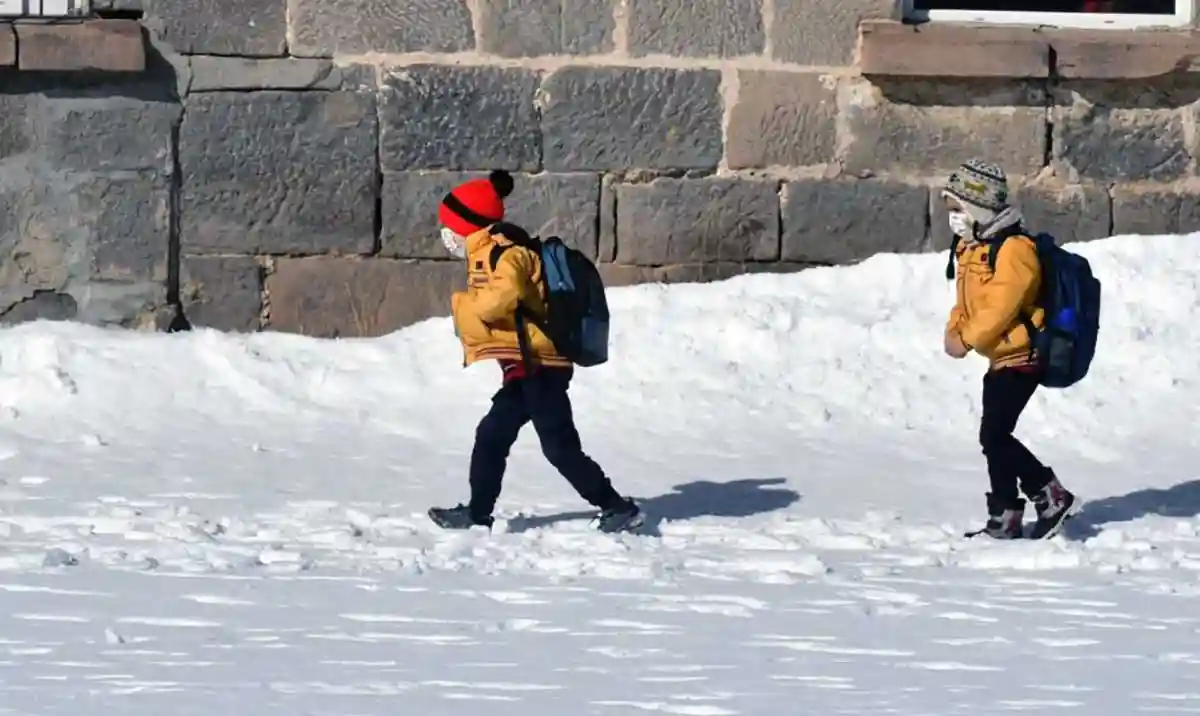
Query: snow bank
<point x="202" y="521"/>
<point x="826" y="348"/>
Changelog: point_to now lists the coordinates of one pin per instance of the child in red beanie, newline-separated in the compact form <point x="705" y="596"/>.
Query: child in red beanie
<point x="504" y="271"/>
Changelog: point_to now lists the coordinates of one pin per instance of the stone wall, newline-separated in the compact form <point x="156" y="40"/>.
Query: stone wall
<point x="277" y="164"/>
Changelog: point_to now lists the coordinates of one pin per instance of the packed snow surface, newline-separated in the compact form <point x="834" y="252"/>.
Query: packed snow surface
<point x="207" y="523"/>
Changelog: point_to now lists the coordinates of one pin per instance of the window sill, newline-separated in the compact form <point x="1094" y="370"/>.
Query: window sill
<point x="1068" y="20"/>
<point x="953" y="49"/>
<point x="89" y="45"/>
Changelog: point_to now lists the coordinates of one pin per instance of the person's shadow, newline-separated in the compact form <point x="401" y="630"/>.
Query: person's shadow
<point x="1182" y="501"/>
<point x="700" y="498"/>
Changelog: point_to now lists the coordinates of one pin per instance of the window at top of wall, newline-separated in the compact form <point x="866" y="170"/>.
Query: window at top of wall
<point x="1100" y="14"/>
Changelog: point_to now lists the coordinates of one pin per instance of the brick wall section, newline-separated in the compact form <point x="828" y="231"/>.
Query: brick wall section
<point x="278" y="164"/>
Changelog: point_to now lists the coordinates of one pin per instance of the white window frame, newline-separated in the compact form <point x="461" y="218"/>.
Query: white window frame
<point x="44" y="8"/>
<point x="1082" y="20"/>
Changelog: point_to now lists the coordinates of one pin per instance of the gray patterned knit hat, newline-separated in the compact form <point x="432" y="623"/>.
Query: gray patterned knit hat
<point x="982" y="188"/>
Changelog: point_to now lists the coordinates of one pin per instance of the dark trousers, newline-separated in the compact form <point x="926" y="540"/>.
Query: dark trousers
<point x="1006" y="392"/>
<point x="541" y="399"/>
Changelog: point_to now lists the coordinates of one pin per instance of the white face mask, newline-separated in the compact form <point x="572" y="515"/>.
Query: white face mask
<point x="962" y="224"/>
<point x="455" y="244"/>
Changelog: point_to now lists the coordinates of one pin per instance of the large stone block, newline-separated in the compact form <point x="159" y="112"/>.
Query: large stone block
<point x="16" y="136"/>
<point x="35" y="256"/>
<point x="1097" y="54"/>
<point x="278" y="172"/>
<point x="821" y="32"/>
<point x="697" y="220"/>
<point x="211" y="74"/>
<point x="82" y="246"/>
<point x="345" y="297"/>
<point x="118" y="223"/>
<point x="563" y="205"/>
<point x="933" y="127"/>
<point x="529" y="28"/>
<point x="459" y="117"/>
<point x="94" y="45"/>
<point x="937" y="49"/>
<point x="1151" y="210"/>
<point x="324" y="28"/>
<point x="843" y="221"/>
<point x="222" y="292"/>
<point x="100" y="131"/>
<point x="607" y="248"/>
<point x="250" y="28"/>
<point x="598" y="118"/>
<point x="410" y="212"/>
<point x="696" y="28"/>
<point x="8" y="46"/>
<point x="1075" y="212"/>
<point x="1071" y="212"/>
<point x="1118" y="134"/>
<point x="782" y="118"/>
<point x="544" y="204"/>
<point x="131" y="220"/>
<point x="43" y="305"/>
<point x="616" y="275"/>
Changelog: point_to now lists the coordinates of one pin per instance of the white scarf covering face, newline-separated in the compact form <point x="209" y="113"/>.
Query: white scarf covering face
<point x="973" y="223"/>
<point x="455" y="244"/>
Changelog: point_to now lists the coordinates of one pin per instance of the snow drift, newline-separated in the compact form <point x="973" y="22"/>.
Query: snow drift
<point x="201" y="522"/>
<point x="829" y="348"/>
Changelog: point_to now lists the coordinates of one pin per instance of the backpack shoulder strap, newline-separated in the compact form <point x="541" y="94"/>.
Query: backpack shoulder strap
<point x="950" y="260"/>
<point x="495" y="253"/>
<point x="994" y="251"/>
<point x="1000" y="240"/>
<point x="526" y="242"/>
<point x="493" y="257"/>
<point x="1024" y="316"/>
<point x="522" y="314"/>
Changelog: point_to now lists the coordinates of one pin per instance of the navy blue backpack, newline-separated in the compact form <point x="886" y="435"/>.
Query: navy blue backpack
<point x="1070" y="296"/>
<point x="577" y="315"/>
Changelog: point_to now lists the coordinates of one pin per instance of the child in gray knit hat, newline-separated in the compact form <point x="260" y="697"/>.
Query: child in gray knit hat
<point x="995" y="315"/>
<point x="977" y="196"/>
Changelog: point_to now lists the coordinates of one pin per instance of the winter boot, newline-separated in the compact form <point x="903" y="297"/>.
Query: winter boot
<point x="1004" y="520"/>
<point x="1055" y="505"/>
<point x="623" y="518"/>
<point x="458" y="518"/>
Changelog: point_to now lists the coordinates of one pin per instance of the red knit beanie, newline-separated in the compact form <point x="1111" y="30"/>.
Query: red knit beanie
<point x="475" y="204"/>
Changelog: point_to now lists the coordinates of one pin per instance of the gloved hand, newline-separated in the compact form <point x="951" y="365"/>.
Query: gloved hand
<point x="954" y="345"/>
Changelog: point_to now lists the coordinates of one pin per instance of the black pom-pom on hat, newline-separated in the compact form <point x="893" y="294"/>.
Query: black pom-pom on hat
<point x="502" y="182"/>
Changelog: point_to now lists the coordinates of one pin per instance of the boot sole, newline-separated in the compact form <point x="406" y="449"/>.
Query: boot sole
<point x="631" y="525"/>
<point x="1070" y="512"/>
<point x="1067" y="514"/>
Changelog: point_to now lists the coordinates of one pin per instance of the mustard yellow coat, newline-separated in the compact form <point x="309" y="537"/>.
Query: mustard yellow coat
<point x="987" y="312"/>
<point x="485" y="314"/>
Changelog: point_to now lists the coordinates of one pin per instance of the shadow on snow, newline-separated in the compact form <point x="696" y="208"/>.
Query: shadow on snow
<point x="700" y="498"/>
<point x="1181" y="501"/>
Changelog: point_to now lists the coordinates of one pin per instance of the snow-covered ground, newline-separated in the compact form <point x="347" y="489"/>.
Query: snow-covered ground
<point x="201" y="522"/>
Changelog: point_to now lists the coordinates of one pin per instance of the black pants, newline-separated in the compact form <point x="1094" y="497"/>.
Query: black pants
<point x="1006" y="392"/>
<point x="541" y="399"/>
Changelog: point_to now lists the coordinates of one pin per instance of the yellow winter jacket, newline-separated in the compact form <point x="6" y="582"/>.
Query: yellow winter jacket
<point x="987" y="312"/>
<point x="485" y="314"/>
